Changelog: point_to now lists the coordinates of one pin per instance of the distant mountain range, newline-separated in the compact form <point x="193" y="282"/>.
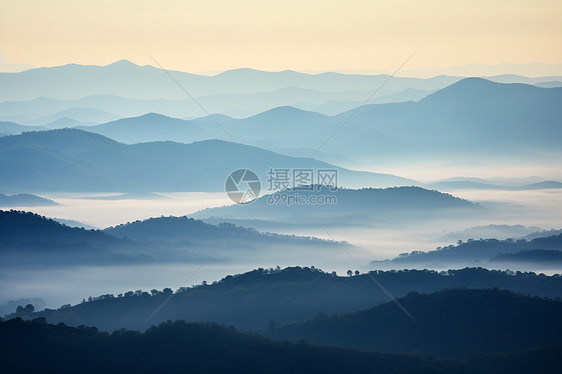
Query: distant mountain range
<point x="124" y="89"/>
<point x="126" y="79"/>
<point x="447" y="122"/>
<point x="522" y="123"/>
<point x="75" y="160"/>
<point x="103" y="108"/>
<point x="123" y="78"/>
<point x="471" y="117"/>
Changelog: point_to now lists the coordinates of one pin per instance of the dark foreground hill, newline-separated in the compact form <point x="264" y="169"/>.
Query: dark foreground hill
<point x="450" y="322"/>
<point x="178" y="347"/>
<point x="262" y="298"/>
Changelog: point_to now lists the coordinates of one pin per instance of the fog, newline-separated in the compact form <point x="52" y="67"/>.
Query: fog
<point x="540" y="208"/>
<point x="102" y="210"/>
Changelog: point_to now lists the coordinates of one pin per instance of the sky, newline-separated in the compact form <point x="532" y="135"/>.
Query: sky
<point x="217" y="35"/>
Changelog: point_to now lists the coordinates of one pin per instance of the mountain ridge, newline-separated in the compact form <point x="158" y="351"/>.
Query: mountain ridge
<point x="72" y="159"/>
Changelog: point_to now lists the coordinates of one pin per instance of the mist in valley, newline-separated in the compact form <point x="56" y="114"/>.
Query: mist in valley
<point x="507" y="214"/>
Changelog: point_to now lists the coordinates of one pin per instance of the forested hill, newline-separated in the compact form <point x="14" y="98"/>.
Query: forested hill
<point x="178" y="347"/>
<point x="253" y="300"/>
<point x="455" y="322"/>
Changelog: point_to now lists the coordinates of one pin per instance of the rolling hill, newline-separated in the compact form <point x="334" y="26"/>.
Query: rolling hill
<point x="347" y="206"/>
<point x="155" y="127"/>
<point x="479" y="252"/>
<point x="180" y="229"/>
<point x="102" y="108"/>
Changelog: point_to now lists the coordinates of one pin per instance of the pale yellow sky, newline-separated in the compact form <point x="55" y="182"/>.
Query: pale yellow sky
<point x="216" y="35"/>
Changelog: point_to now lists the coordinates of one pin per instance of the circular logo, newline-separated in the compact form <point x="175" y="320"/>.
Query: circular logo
<point x="242" y="186"/>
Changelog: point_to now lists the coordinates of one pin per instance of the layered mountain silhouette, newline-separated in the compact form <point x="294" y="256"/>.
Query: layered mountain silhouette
<point x="126" y="79"/>
<point x="102" y="108"/>
<point x="517" y="120"/>
<point x="156" y="127"/>
<point x="75" y="160"/>
<point x="471" y="117"/>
